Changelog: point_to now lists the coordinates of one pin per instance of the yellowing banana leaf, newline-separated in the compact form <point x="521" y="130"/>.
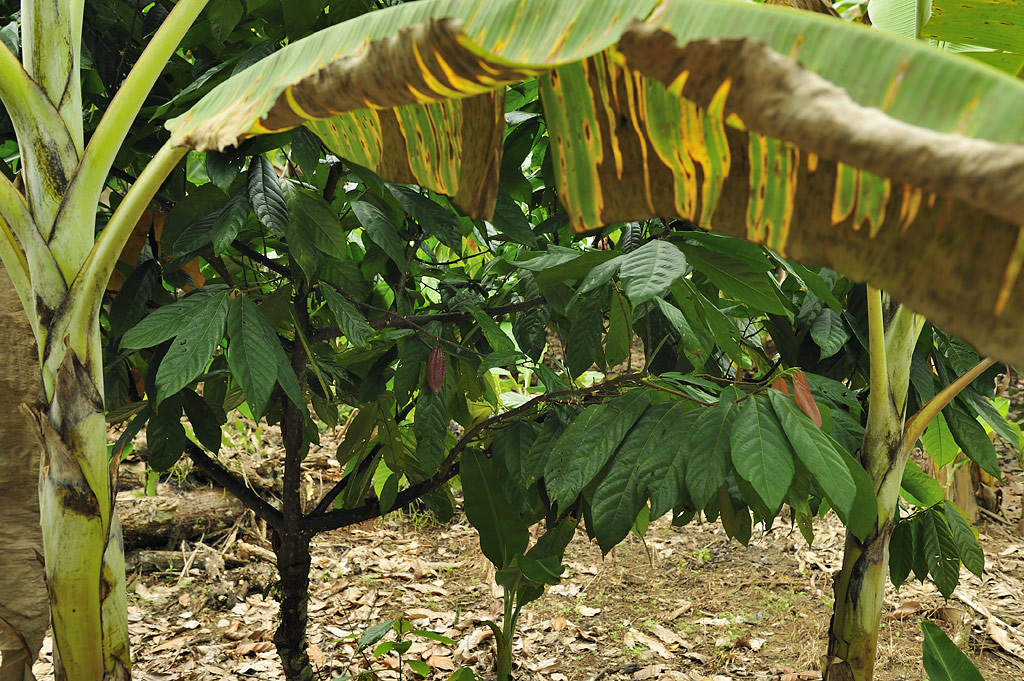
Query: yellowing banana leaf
<point x="831" y="143"/>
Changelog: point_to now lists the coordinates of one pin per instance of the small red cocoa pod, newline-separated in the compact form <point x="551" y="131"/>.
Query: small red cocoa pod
<point x="437" y="363"/>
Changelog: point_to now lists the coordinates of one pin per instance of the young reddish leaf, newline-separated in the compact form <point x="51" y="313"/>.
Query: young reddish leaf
<point x="780" y="385"/>
<point x="804" y="400"/>
<point x="436" y="366"/>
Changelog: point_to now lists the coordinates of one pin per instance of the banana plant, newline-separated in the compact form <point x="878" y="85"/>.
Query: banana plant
<point x="744" y="119"/>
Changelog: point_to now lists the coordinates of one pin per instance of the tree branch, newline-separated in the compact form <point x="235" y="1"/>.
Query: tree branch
<point x="332" y="520"/>
<point x="394" y="320"/>
<point x="261" y="258"/>
<point x="239" y="489"/>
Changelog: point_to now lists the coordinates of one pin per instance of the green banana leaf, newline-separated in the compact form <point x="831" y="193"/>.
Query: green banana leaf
<point x="831" y="143"/>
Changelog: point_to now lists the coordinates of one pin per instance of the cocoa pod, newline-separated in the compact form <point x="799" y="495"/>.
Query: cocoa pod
<point x="437" y="363"/>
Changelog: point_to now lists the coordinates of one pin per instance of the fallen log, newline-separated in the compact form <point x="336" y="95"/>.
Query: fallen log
<point x="173" y="515"/>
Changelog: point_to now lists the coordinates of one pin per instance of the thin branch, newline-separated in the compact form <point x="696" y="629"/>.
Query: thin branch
<point x="917" y="423"/>
<point x="239" y="489"/>
<point x="261" y="258"/>
<point x="335" y="519"/>
<point x="394" y="320"/>
<point x="327" y="499"/>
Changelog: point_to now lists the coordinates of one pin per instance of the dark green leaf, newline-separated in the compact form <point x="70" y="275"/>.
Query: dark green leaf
<point x="587" y="444"/>
<point x="381" y="231"/>
<point x="374" y="634"/>
<point x="921" y="486"/>
<point x="130" y="304"/>
<point x="224" y="15"/>
<point x="229" y="223"/>
<point x="498" y="339"/>
<point x="623" y="489"/>
<point x="620" y="332"/>
<point x="943" y="660"/>
<point x="431" y="425"/>
<point x="711" y="436"/>
<point x="965" y="538"/>
<point x="205" y="419"/>
<point x="829" y="332"/>
<point x="972" y="438"/>
<point x="510" y="221"/>
<point x="503" y="534"/>
<point x="648" y="271"/>
<point x="353" y="324"/>
<point x="254" y="353"/>
<point x="193" y="346"/>
<point x="669" y="486"/>
<point x="737" y="279"/>
<point x="266" y="196"/>
<point x="536" y="459"/>
<point x="761" y="451"/>
<point x="940" y="551"/>
<point x="165" y="322"/>
<point x="816" y="453"/>
<point x="585" y="327"/>
<point x="902" y="548"/>
<point x="165" y="435"/>
<point x="305" y="151"/>
<point x="530" y="332"/>
<point x="435" y="220"/>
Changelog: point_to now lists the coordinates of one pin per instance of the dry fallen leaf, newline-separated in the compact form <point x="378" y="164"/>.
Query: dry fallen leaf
<point x="650" y="643"/>
<point x="905" y="609"/>
<point x="587" y="611"/>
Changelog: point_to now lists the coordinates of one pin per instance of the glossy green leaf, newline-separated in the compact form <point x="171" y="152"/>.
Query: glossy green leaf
<point x="737" y="279"/>
<point x="165" y="322"/>
<point x="829" y="332"/>
<point x="972" y="438"/>
<point x="620" y="332"/>
<point x="922" y="487"/>
<point x="761" y="452"/>
<point x="431" y="426"/>
<point x="939" y="443"/>
<point x="669" y="470"/>
<point x="648" y="271"/>
<point x="940" y="551"/>
<point x="586" y="325"/>
<point x="943" y="660"/>
<point x="266" y="196"/>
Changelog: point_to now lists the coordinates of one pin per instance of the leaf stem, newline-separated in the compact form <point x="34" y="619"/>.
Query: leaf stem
<point x="917" y="423"/>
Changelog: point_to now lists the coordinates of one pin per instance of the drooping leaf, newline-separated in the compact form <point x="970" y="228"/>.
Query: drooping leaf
<point x="254" y="353"/>
<point x="503" y="534"/>
<point x="943" y="660"/>
<point x="266" y="196"/>
<point x="431" y="425"/>
<point x="669" y="471"/>
<point x="711" y="435"/>
<point x="193" y="346"/>
<point x="435" y="220"/>
<point x="623" y="489"/>
<point x="381" y="231"/>
<point x="620" y="332"/>
<point x="902" y="548"/>
<point x="972" y="438"/>
<point x="817" y="454"/>
<point x="352" y="322"/>
<point x="761" y="451"/>
<point x="965" y="538"/>
<point x="587" y="444"/>
<point x="165" y="435"/>
<point x="940" y="551"/>
<point x="205" y="419"/>
<point x="586" y="324"/>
